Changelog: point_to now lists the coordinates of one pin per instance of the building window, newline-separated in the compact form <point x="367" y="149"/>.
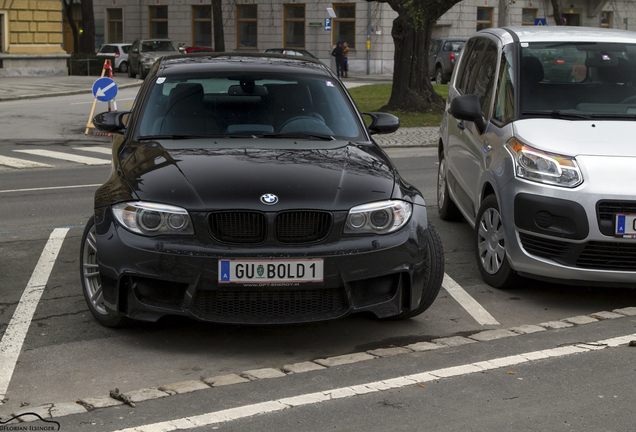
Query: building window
<point x="528" y="16"/>
<point x="247" y="26"/>
<point x="606" y="19"/>
<point x="159" y="22"/>
<point x="294" y="26"/>
<point x="115" y="26"/>
<point x="202" y="26"/>
<point x="484" y="18"/>
<point x="344" y="25"/>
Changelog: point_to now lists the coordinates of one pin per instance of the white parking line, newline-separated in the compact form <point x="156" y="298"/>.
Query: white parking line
<point x="49" y="188"/>
<point x="102" y="150"/>
<point x="21" y="163"/>
<point x="231" y="414"/>
<point x="16" y="332"/>
<point x="66" y="156"/>
<point x="476" y="310"/>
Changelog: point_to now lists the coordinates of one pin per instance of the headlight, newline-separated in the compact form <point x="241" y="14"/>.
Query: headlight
<point x="378" y="218"/>
<point x="153" y="219"/>
<point x="544" y="167"/>
<point x="147" y="60"/>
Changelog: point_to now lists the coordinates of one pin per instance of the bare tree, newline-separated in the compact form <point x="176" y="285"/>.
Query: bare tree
<point x="217" y="14"/>
<point x="87" y="41"/>
<point x="412" y="89"/>
<point x="557" y="12"/>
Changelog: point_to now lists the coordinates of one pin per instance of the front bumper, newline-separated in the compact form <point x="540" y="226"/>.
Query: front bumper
<point x="567" y="235"/>
<point x="145" y="278"/>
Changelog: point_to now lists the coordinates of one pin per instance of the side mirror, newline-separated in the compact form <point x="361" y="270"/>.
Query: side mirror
<point x="382" y="123"/>
<point x="467" y="107"/>
<point x="111" y="121"/>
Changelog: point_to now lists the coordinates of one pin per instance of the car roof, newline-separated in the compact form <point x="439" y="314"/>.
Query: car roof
<point x="562" y="34"/>
<point x="245" y="62"/>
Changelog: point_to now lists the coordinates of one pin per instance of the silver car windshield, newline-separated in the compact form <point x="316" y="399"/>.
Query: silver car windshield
<point x="157" y="46"/>
<point x="579" y="80"/>
<point x="239" y="104"/>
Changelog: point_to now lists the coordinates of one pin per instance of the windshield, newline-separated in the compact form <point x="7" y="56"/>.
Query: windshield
<point x="578" y="80"/>
<point x="157" y="46"/>
<point x="246" y="105"/>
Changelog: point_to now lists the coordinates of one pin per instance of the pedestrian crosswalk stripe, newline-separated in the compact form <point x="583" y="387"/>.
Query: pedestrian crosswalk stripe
<point x="102" y="150"/>
<point x="67" y="156"/>
<point x="21" y="163"/>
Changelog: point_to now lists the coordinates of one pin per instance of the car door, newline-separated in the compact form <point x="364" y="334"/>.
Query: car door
<point x="467" y="150"/>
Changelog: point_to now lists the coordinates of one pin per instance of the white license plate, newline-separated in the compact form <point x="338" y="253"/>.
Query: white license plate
<point x="270" y="271"/>
<point x="626" y="225"/>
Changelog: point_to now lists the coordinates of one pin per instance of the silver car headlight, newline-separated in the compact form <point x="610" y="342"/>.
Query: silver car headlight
<point x="153" y="219"/>
<point x="378" y="218"/>
<point x="544" y="167"/>
<point x="147" y="60"/>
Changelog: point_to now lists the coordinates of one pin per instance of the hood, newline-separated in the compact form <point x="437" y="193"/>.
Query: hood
<point x="154" y="55"/>
<point x="335" y="178"/>
<point x="579" y="137"/>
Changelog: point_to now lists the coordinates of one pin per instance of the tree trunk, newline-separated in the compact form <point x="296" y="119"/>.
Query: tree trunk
<point x="412" y="89"/>
<point x="556" y="10"/>
<point x="68" y="8"/>
<point x="217" y="14"/>
<point x="503" y="19"/>
<point x="87" y="41"/>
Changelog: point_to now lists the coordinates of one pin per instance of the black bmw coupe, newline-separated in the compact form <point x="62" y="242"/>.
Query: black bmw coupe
<point x="247" y="189"/>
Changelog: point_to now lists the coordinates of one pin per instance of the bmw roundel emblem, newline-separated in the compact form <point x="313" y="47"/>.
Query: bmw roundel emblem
<point x="269" y="199"/>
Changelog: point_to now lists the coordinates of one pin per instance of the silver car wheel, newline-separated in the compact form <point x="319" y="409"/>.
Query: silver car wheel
<point x="441" y="183"/>
<point x="90" y="273"/>
<point x="490" y="241"/>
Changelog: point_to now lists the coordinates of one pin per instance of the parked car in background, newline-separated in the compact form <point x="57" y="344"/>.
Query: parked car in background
<point x="195" y="50"/>
<point x="247" y="189"/>
<point x="144" y="53"/>
<point x="118" y="53"/>
<point x="535" y="154"/>
<point x="291" y="52"/>
<point x="442" y="55"/>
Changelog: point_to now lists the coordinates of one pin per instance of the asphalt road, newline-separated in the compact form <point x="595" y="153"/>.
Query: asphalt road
<point x="67" y="356"/>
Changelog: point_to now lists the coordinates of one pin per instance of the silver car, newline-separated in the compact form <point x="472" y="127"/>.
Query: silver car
<point x="537" y="152"/>
<point x="145" y="52"/>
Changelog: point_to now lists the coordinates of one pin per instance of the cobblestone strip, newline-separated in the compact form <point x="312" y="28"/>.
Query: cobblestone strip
<point x="410" y="137"/>
<point x="51" y="410"/>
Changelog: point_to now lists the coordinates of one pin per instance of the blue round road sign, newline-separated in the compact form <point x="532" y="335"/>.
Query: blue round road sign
<point x="104" y="89"/>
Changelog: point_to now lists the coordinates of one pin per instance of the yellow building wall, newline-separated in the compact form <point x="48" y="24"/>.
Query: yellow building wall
<point x="34" y="27"/>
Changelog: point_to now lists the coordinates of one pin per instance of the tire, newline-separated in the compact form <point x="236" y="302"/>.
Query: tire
<point x="143" y="75"/>
<point x="123" y="67"/>
<point x="434" y="274"/>
<point x="439" y="76"/>
<point x="91" y="280"/>
<point x="490" y="246"/>
<point x="447" y="209"/>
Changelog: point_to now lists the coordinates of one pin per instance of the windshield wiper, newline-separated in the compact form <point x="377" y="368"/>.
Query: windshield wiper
<point x="176" y="137"/>
<point x="306" y="135"/>
<point x="558" y="114"/>
<point x="614" y="116"/>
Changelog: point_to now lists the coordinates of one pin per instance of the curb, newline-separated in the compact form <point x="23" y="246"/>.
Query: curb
<point x="56" y="410"/>
<point x="62" y="93"/>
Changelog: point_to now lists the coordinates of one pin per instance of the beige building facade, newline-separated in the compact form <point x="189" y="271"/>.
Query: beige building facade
<point x="31" y="37"/>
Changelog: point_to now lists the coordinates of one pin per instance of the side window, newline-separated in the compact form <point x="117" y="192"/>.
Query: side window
<point x="505" y="97"/>
<point x="434" y="47"/>
<point x="485" y="78"/>
<point x="469" y="66"/>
